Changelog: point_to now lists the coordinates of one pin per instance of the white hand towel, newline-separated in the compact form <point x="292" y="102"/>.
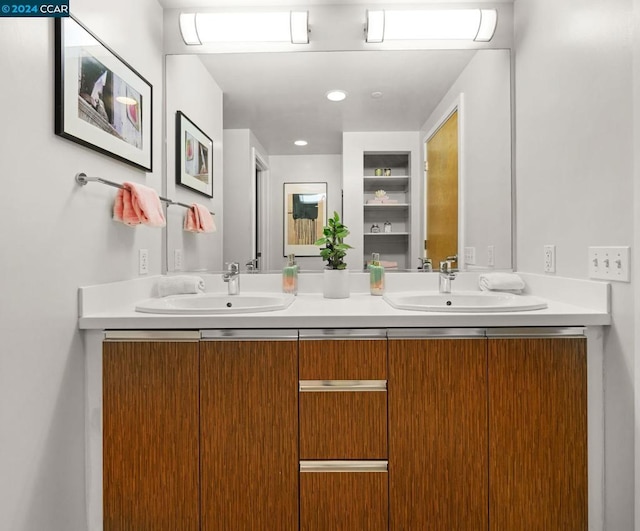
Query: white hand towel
<point x="501" y="282"/>
<point x="177" y="285"/>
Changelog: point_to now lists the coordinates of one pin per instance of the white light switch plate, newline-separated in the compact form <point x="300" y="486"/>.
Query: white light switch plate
<point x="470" y="255"/>
<point x="609" y="263"/>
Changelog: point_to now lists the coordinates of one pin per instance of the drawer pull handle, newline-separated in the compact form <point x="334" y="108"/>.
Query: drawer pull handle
<point x="344" y="466"/>
<point x="342" y="385"/>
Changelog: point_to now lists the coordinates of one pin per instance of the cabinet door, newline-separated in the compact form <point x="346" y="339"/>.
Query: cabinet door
<point x="344" y="501"/>
<point x="438" y="441"/>
<point x="150" y="436"/>
<point x="538" y="426"/>
<point x="249" y="435"/>
<point x="337" y="420"/>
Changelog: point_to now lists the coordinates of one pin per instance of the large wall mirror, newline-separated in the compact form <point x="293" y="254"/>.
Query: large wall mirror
<point x="255" y="105"/>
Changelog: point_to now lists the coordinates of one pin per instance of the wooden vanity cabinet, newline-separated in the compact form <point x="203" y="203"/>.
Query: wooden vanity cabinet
<point x="538" y="433"/>
<point x="249" y="432"/>
<point x="438" y="437"/>
<point x="343" y="431"/>
<point x="150" y="435"/>
<point x="432" y="429"/>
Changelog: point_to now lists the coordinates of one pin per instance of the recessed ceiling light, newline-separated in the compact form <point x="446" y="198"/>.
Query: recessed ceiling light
<point x="376" y="95"/>
<point x="301" y="142"/>
<point x="336" y="95"/>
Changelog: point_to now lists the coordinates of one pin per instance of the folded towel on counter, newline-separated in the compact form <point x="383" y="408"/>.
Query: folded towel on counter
<point x="199" y="219"/>
<point x="179" y="284"/>
<point x="138" y="204"/>
<point x="501" y="282"/>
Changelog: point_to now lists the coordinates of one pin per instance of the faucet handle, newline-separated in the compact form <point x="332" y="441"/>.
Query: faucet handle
<point x="251" y="265"/>
<point x="446" y="267"/>
<point x="232" y="267"/>
<point x="426" y="264"/>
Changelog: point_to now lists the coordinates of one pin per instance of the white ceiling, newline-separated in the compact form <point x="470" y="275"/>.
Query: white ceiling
<point x="281" y="96"/>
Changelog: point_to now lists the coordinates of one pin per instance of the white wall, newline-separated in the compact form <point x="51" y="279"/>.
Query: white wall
<point x="240" y="148"/>
<point x="191" y="89"/>
<point x="484" y="118"/>
<point x="574" y="178"/>
<point x="635" y="266"/>
<point x="55" y="237"/>
<point x="300" y="168"/>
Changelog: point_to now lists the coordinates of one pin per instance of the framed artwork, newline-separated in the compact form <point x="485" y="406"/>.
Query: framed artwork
<point x="305" y="215"/>
<point x="101" y="102"/>
<point x="194" y="156"/>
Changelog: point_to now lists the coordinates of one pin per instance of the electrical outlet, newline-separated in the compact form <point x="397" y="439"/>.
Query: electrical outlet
<point x="549" y="258"/>
<point x="609" y="263"/>
<point x="177" y="259"/>
<point x="491" y="256"/>
<point x="470" y="255"/>
<point x="143" y="261"/>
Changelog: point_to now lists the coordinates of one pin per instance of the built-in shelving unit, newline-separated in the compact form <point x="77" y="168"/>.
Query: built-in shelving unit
<point x="393" y="246"/>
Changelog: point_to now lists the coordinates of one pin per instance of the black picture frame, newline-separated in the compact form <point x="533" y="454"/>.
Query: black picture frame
<point x="101" y="102"/>
<point x="194" y="156"/>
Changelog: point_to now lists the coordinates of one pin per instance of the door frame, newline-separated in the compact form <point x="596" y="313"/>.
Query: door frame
<point x="259" y="195"/>
<point x="456" y="105"/>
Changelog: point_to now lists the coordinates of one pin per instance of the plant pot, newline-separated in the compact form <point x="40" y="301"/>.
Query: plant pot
<point x="335" y="284"/>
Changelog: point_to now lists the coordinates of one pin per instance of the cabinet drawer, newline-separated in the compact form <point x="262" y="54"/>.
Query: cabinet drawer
<point x="344" y="501"/>
<point x="343" y="359"/>
<point x="343" y="425"/>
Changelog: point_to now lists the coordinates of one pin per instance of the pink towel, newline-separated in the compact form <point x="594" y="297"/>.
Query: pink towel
<point x="136" y="204"/>
<point x="199" y="219"/>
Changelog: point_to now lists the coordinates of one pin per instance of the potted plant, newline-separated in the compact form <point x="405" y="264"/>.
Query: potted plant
<point x="336" y="276"/>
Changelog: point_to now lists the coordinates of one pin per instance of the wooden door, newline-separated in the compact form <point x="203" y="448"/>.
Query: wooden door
<point x="249" y="435"/>
<point x="438" y="441"/>
<point x="150" y="436"/>
<point x="538" y="427"/>
<point x="442" y="191"/>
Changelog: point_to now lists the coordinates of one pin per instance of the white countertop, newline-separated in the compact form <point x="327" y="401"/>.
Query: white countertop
<point x="571" y="302"/>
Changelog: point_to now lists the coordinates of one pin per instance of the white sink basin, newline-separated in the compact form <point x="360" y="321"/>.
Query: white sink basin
<point x="464" y="301"/>
<point x="216" y="303"/>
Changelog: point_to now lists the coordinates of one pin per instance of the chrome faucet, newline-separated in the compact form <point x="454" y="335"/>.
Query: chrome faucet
<point x="447" y="274"/>
<point x="426" y="265"/>
<point x="232" y="277"/>
<point x="252" y="265"/>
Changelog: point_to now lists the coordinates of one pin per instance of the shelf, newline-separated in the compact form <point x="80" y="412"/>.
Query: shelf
<point x="398" y="206"/>
<point x="386" y="183"/>
<point x="387" y="234"/>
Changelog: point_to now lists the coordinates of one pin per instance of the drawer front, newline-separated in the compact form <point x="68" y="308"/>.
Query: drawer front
<point x="344" y="501"/>
<point x="343" y="359"/>
<point x="343" y="425"/>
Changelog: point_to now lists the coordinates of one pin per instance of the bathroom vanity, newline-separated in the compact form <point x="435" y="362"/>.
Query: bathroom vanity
<point x="415" y="421"/>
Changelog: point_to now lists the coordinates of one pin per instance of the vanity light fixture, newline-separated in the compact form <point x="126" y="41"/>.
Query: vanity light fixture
<point x="282" y="26"/>
<point x="301" y="142"/>
<point x="462" y="24"/>
<point x="336" y="95"/>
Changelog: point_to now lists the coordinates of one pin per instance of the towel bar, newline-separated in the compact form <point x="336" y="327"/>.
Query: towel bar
<point x="82" y="179"/>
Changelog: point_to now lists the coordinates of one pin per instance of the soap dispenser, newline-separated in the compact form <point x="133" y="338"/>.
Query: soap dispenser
<point x="376" y="275"/>
<point x="290" y="276"/>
